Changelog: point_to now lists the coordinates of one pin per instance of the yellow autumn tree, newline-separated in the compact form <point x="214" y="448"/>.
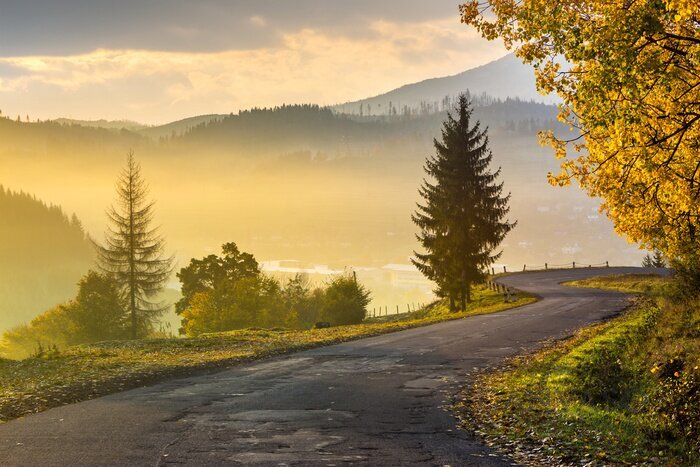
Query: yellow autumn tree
<point x="627" y="72"/>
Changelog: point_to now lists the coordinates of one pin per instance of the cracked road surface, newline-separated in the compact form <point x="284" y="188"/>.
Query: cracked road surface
<point x="376" y="401"/>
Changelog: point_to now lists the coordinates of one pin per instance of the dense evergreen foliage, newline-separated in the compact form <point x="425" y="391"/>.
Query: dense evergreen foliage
<point x="655" y="261"/>
<point x="319" y="128"/>
<point x="43" y="253"/>
<point x="462" y="218"/>
<point x="132" y="254"/>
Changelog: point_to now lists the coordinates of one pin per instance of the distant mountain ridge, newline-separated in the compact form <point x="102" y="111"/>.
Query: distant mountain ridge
<point x="504" y="78"/>
<point x="102" y="123"/>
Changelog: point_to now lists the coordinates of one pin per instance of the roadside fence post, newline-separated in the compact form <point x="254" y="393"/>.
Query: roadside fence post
<point x="607" y="265"/>
<point x="504" y="269"/>
<point x="545" y="266"/>
<point x="524" y="266"/>
<point x="574" y="265"/>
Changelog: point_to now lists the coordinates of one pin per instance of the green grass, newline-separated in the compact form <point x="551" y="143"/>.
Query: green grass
<point x="622" y="392"/>
<point x="88" y="371"/>
<point x="629" y="283"/>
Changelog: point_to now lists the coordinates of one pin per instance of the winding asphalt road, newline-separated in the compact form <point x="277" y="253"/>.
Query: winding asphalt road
<point x="376" y="401"/>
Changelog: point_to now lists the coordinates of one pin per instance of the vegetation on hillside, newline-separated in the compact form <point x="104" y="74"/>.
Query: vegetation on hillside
<point x="222" y="293"/>
<point x="56" y="377"/>
<point x="96" y="314"/>
<point x="43" y="253"/>
<point x="623" y="392"/>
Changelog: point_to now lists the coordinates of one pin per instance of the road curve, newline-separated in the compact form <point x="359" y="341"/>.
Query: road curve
<point x="374" y="401"/>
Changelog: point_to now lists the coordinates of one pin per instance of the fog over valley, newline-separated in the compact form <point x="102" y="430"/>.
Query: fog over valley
<point x="307" y="188"/>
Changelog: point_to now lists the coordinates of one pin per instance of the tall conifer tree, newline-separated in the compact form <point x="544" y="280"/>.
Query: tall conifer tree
<point x="133" y="253"/>
<point x="462" y="219"/>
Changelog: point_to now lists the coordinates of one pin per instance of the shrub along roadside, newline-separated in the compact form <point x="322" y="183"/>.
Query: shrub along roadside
<point x="89" y="371"/>
<point x="626" y="391"/>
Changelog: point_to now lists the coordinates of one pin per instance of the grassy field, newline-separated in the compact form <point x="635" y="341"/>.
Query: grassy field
<point x="88" y="371"/>
<point x="622" y="392"/>
<point x="629" y="283"/>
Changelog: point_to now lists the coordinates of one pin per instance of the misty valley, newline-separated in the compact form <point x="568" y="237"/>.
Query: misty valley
<point x="305" y="189"/>
<point x="376" y="233"/>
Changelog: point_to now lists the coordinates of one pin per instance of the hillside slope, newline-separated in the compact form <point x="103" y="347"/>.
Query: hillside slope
<point x="43" y="253"/>
<point x="504" y="78"/>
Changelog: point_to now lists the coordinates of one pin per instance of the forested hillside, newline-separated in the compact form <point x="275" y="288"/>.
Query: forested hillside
<point x="288" y="128"/>
<point x="43" y="253"/>
<point x="305" y="183"/>
<point x="310" y="172"/>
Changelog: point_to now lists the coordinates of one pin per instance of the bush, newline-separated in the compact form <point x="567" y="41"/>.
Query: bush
<point x="677" y="400"/>
<point x="53" y="327"/>
<point x="603" y="377"/>
<point x="303" y="304"/>
<point x="250" y="301"/>
<point x="345" y="301"/>
<point x="96" y="314"/>
<point x="686" y="273"/>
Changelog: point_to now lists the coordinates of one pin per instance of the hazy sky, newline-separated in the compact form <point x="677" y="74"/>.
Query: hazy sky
<point x="159" y="60"/>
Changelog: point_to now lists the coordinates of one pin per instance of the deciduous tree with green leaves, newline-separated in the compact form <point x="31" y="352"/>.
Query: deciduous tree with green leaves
<point x="345" y="301"/>
<point x="204" y="275"/>
<point x="97" y="313"/>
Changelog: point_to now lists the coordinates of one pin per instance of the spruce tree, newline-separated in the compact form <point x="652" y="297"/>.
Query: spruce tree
<point x="462" y="218"/>
<point x="658" y="261"/>
<point x="133" y="253"/>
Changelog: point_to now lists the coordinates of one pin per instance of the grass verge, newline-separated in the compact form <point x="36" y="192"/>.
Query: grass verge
<point x="649" y="284"/>
<point x="89" y="371"/>
<point x="623" y="392"/>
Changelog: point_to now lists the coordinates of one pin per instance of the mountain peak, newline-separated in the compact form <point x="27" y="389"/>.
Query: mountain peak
<point x="506" y="77"/>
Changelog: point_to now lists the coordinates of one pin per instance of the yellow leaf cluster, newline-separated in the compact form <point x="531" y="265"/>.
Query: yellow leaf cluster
<point x="628" y="75"/>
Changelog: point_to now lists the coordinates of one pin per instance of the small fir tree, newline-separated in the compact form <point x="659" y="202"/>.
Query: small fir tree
<point x="658" y="261"/>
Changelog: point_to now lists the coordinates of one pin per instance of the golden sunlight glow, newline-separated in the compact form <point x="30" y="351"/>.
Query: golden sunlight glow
<point x="310" y="66"/>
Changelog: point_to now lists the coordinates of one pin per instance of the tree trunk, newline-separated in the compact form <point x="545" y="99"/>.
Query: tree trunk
<point x="133" y="313"/>
<point x="132" y="255"/>
<point x="464" y="290"/>
<point x="452" y="303"/>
